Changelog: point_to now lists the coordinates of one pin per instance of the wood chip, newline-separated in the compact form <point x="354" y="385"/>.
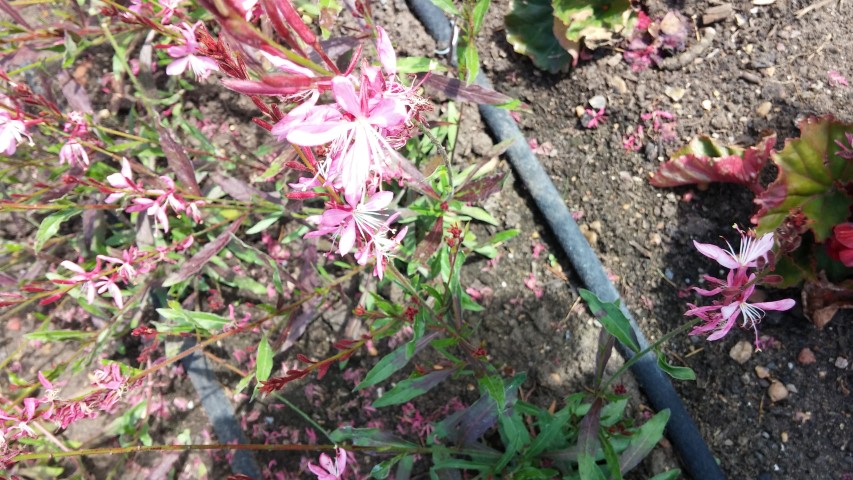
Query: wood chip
<point x="717" y="13"/>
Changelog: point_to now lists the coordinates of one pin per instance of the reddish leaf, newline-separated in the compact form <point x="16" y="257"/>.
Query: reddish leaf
<point x="179" y="162"/>
<point x="457" y="90"/>
<point x="822" y="299"/>
<point x="703" y="161"/>
<point x="195" y="264"/>
<point x="481" y="188"/>
<point x="251" y="87"/>
<point x="431" y="242"/>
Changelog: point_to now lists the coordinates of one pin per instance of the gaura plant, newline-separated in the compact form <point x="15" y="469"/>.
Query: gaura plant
<point x="343" y="205"/>
<point x="807" y="206"/>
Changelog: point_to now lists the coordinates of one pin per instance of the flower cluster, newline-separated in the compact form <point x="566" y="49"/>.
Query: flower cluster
<point x="719" y="317"/>
<point x="153" y="202"/>
<point x="73" y="152"/>
<point x="187" y="55"/>
<point x="359" y="134"/>
<point x="12" y="132"/>
<point x="110" y="386"/>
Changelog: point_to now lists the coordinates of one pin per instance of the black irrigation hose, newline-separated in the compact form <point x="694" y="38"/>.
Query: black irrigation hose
<point x="216" y="404"/>
<point x="681" y="429"/>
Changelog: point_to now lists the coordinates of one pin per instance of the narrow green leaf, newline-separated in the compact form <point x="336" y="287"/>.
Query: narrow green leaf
<point x="263" y="365"/>
<point x="612" y="318"/>
<point x="668" y="475"/>
<point x="643" y="441"/>
<point x="494" y="385"/>
<point x="588" y="469"/>
<point x="411" y="388"/>
<point x="50" y="226"/>
<point x="678" y="373"/>
<point x="479" y="14"/>
<point x="447" y="7"/>
<point x="59" y="335"/>
<point x="393" y="362"/>
<point x="263" y="225"/>
<point x="478" y="213"/>
<point x="469" y="61"/>
<point x="409" y="65"/>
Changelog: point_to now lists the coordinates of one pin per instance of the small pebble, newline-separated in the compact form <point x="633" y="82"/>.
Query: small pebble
<point x="619" y="85"/>
<point x="741" y="352"/>
<point x="841" y="363"/>
<point x="784" y="436"/>
<point x="706" y="104"/>
<point x="764" y="109"/>
<point x="595" y="225"/>
<point x="791" y="387"/>
<point x="806" y="357"/>
<point x="777" y="392"/>
<point x="580" y="111"/>
<point x="762" y="372"/>
<point x="675" y="93"/>
<point x="598" y="102"/>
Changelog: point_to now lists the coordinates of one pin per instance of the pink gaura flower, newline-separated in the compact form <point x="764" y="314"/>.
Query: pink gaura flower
<point x="720" y="317"/>
<point x="74" y="154"/>
<point x="12" y="133"/>
<point x="328" y="470"/>
<point x="380" y="247"/>
<point x="123" y="181"/>
<point x="186" y="56"/>
<point x="126" y="270"/>
<point x="85" y="279"/>
<point x="750" y="251"/>
<point x="354" y="221"/>
<point x="107" y="284"/>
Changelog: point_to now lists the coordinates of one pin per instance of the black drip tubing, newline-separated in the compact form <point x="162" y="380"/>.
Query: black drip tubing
<point x="695" y="455"/>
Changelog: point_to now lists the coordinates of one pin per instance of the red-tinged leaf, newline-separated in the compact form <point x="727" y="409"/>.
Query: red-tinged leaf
<point x="179" y="161"/>
<point x="7" y="303"/>
<point x="588" y="430"/>
<point x="344" y="344"/>
<point x="301" y="82"/>
<point x="457" y="90"/>
<point x="76" y="95"/>
<point x="304" y="195"/>
<point x="323" y="369"/>
<point x="13" y="12"/>
<point x="822" y="299"/>
<point x="33" y="288"/>
<point x="197" y="261"/>
<point x="813" y="172"/>
<point x="703" y="161"/>
<point x="252" y="87"/>
<point x="302" y="358"/>
<point x="481" y="188"/>
<point x="51" y="299"/>
<point x="431" y="242"/>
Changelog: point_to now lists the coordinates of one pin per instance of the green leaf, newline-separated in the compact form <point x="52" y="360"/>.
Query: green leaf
<point x="447" y="7"/>
<point x="50" y="226"/>
<point x="409" y="65"/>
<point x="469" y="61"/>
<point x="243" y="383"/>
<point x="551" y="435"/>
<point x="668" y="475"/>
<point x="612" y="318"/>
<point x="504" y="236"/>
<point x="479" y="14"/>
<point x="643" y="441"/>
<point x="478" y="213"/>
<point x="678" y="373"/>
<point x="59" y="335"/>
<point x="588" y="469"/>
<point x="590" y="23"/>
<point x="263" y="225"/>
<point x="530" y="31"/>
<point x="494" y="385"/>
<point x="263" y="365"/>
<point x="393" y="362"/>
<point x="810" y="179"/>
<point x="411" y="388"/>
<point x="369" y="437"/>
<point x="514" y="435"/>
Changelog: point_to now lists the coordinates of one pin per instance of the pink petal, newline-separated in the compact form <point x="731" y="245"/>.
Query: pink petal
<point x="178" y="66"/>
<point x="386" y="52"/>
<point x="388" y="113"/>
<point x="341" y="460"/>
<point x="346" y="97"/>
<point x="73" y="267"/>
<point x="312" y="135"/>
<point x="780" y="305"/>
<point x="378" y="200"/>
<point x="347" y="239"/>
<point x="722" y="257"/>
